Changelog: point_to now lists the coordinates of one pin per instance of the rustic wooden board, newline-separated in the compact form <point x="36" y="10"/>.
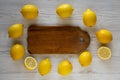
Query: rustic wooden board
<point x="57" y="39"/>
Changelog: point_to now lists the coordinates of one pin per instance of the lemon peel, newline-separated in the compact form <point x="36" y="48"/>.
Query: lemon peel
<point x="85" y="58"/>
<point x="104" y="36"/>
<point x="89" y="18"/>
<point x="16" y="31"/>
<point x="29" y="11"/>
<point x="44" y="67"/>
<point x="65" y="68"/>
<point x="64" y="10"/>
<point x="17" y="52"/>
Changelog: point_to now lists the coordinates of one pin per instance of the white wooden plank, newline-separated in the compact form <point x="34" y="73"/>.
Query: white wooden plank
<point x="36" y="76"/>
<point x="108" y="17"/>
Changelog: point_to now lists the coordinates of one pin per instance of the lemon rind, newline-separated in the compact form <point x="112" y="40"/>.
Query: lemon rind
<point x="30" y="68"/>
<point x="102" y="57"/>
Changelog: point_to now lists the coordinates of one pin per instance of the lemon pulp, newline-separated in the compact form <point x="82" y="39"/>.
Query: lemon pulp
<point x="104" y="53"/>
<point x="30" y="63"/>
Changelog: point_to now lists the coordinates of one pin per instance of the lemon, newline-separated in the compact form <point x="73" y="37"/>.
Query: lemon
<point x="44" y="67"/>
<point x="85" y="58"/>
<point x="17" y="52"/>
<point x="104" y="36"/>
<point x="29" y="11"/>
<point x="104" y="53"/>
<point x="89" y="18"/>
<point x="65" y="68"/>
<point x="30" y="63"/>
<point x="64" y="10"/>
<point x="15" y="30"/>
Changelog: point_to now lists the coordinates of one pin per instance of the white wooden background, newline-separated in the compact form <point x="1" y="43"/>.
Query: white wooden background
<point x="108" y="13"/>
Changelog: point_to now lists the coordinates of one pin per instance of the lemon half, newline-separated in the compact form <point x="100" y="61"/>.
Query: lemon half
<point x="104" y="53"/>
<point x="30" y="63"/>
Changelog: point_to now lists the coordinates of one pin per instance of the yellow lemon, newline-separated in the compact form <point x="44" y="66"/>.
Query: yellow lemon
<point x="30" y="63"/>
<point x="64" y="10"/>
<point x="29" y="11"/>
<point x="44" y="67"/>
<point x="15" y="30"/>
<point x="104" y="36"/>
<point x="85" y="58"/>
<point x="17" y="52"/>
<point x="104" y="53"/>
<point x="65" y="68"/>
<point x="89" y="18"/>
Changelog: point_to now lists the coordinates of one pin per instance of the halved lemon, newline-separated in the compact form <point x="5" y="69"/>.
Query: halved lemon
<point x="30" y="63"/>
<point x="104" y="53"/>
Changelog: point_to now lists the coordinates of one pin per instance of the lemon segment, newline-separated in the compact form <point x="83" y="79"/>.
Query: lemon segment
<point x="30" y="63"/>
<point x="89" y="18"/>
<point x="104" y="53"/>
<point x="65" y="68"/>
<point x="104" y="36"/>
<point x="85" y="58"/>
<point x="15" y="30"/>
<point x="64" y="10"/>
<point x="44" y="67"/>
<point x="29" y="11"/>
<point x="17" y="52"/>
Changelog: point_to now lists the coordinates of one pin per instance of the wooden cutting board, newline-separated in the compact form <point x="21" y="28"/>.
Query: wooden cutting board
<point x="56" y="39"/>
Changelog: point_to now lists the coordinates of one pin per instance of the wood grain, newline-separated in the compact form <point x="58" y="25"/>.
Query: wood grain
<point x="108" y="17"/>
<point x="57" y="39"/>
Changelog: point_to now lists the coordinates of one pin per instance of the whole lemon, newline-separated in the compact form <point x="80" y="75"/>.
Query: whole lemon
<point x="104" y="36"/>
<point x="64" y="10"/>
<point x="44" y="67"/>
<point x="64" y="68"/>
<point x="17" y="52"/>
<point x="85" y="58"/>
<point x="16" y="30"/>
<point x="89" y="18"/>
<point x="29" y="11"/>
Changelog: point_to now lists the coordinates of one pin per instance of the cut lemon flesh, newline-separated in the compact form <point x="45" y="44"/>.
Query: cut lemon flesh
<point x="30" y="63"/>
<point x="104" y="53"/>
